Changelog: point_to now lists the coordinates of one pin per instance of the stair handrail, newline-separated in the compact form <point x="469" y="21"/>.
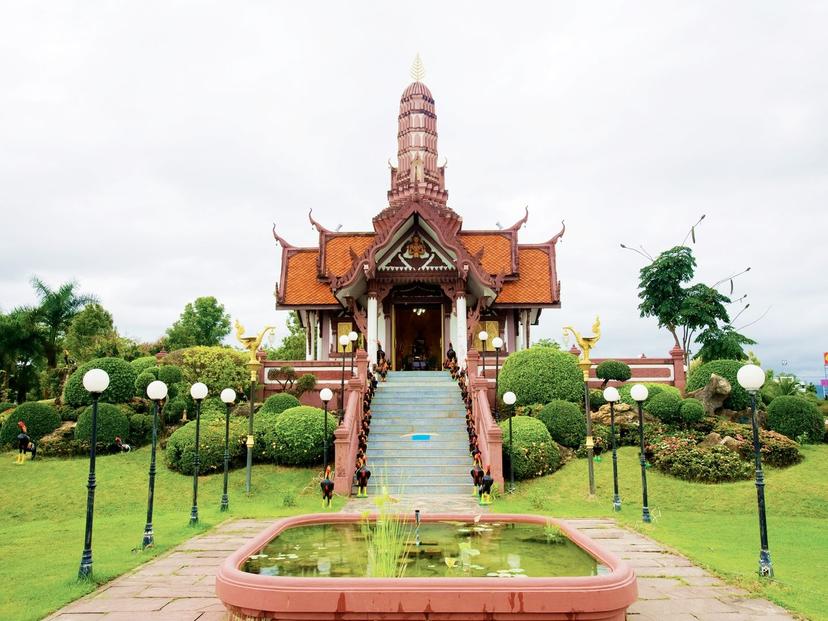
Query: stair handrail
<point x="489" y="433"/>
<point x="346" y="435"/>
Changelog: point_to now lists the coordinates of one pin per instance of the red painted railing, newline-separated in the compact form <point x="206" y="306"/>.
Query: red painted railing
<point x="489" y="434"/>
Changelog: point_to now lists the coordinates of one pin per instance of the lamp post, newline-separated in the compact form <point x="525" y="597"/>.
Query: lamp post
<point x="156" y="391"/>
<point x="751" y="377"/>
<point x="352" y="339"/>
<point x="197" y="391"/>
<point x="497" y="343"/>
<point x="326" y="395"/>
<point x="483" y="336"/>
<point x="95" y="382"/>
<point x="509" y="398"/>
<point x="228" y="396"/>
<point x="343" y="343"/>
<point x="611" y="395"/>
<point x="639" y="393"/>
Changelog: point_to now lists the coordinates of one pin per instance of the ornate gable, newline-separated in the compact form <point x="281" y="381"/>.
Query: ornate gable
<point x="415" y="252"/>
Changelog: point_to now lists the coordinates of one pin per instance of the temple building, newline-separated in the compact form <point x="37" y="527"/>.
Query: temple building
<point x="418" y="281"/>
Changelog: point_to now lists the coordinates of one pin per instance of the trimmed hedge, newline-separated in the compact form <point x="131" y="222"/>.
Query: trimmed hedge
<point x="535" y="454"/>
<point x="121" y="382"/>
<point x="692" y="411"/>
<point x="41" y="419"/>
<point x="140" y="429"/>
<point x="278" y="403"/>
<point x="296" y="437"/>
<point x="540" y="375"/>
<point x="666" y="407"/>
<point x="613" y="370"/>
<point x="180" y="453"/>
<point x="143" y="380"/>
<point x="173" y="409"/>
<point x="218" y="367"/>
<point x="776" y="449"/>
<point x="6" y="405"/>
<point x="112" y="422"/>
<point x="682" y="458"/>
<point x="739" y="399"/>
<point x="264" y="432"/>
<point x="653" y="389"/>
<point x="565" y="421"/>
<point x="596" y="399"/>
<point x="143" y="363"/>
<point x="796" y="417"/>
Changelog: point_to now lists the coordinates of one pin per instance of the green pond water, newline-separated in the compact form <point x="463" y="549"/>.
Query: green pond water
<point x="445" y="549"/>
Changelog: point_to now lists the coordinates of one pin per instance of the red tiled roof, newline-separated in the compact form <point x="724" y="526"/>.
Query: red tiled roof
<point x="337" y="256"/>
<point x="535" y="282"/>
<point x="301" y="287"/>
<point x="497" y="250"/>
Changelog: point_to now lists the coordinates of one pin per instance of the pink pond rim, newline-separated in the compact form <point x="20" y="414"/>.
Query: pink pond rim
<point x="594" y="598"/>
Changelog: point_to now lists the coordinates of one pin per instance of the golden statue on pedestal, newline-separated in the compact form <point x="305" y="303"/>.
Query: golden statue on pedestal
<point x="251" y="344"/>
<point x="586" y="343"/>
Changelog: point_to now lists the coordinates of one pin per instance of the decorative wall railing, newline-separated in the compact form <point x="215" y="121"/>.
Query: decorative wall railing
<point x="489" y="434"/>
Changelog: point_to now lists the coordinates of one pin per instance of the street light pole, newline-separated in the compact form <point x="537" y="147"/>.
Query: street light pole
<point x="228" y="396"/>
<point x="95" y="382"/>
<point x="343" y="342"/>
<point x="509" y="398"/>
<point x="639" y="393"/>
<point x="198" y="391"/>
<point x="325" y="394"/>
<point x="352" y="338"/>
<point x="497" y="342"/>
<point x="156" y="391"/>
<point x="483" y="336"/>
<point x="585" y="366"/>
<point x="751" y="377"/>
<point x="611" y="395"/>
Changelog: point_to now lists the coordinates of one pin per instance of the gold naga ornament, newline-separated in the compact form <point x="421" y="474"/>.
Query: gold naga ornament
<point x="586" y="344"/>
<point x="252" y="344"/>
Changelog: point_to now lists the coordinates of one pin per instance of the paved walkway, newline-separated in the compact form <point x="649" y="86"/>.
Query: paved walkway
<point x="179" y="586"/>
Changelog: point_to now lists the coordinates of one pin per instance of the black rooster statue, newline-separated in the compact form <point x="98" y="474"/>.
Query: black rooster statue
<point x="120" y="446"/>
<point x="24" y="443"/>
<point x="327" y="488"/>
<point x="485" y="489"/>
<point x="362" y="476"/>
<point x="476" y="475"/>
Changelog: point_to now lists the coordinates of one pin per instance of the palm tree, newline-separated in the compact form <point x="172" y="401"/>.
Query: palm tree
<point x="20" y="347"/>
<point x="56" y="310"/>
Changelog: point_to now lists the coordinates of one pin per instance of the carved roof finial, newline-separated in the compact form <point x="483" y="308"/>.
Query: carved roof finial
<point x="282" y="241"/>
<point x="520" y="222"/>
<point x="314" y="223"/>
<point x="417" y="69"/>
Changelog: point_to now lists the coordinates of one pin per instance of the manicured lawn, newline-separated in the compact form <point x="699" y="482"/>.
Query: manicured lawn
<point x="43" y="518"/>
<point x="714" y="525"/>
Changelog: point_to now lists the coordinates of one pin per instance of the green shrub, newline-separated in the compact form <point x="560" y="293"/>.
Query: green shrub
<point x="180" y="453"/>
<point x="665" y="406"/>
<point x="170" y="374"/>
<point x="615" y="370"/>
<point x="776" y="449"/>
<point x="143" y="380"/>
<point x="297" y="436"/>
<point x="653" y="389"/>
<point x="41" y="419"/>
<point x="565" y="421"/>
<point x="279" y="402"/>
<point x="121" y="382"/>
<point x="140" y="429"/>
<point x="541" y="374"/>
<point x="600" y="440"/>
<point x="738" y="399"/>
<point x="535" y="454"/>
<point x="173" y="410"/>
<point x="795" y="417"/>
<point x="691" y="412"/>
<point x="682" y="458"/>
<point x="596" y="399"/>
<point x="6" y="405"/>
<point x="213" y="407"/>
<point x="218" y="367"/>
<point x="112" y="422"/>
<point x="143" y="363"/>
<point x="264" y="432"/>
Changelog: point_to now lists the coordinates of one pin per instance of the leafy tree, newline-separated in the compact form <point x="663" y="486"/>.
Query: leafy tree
<point x="56" y="310"/>
<point x="92" y="334"/>
<point x="203" y="322"/>
<point x="547" y="342"/>
<point x="293" y="345"/>
<point x="722" y="344"/>
<point x="21" y="346"/>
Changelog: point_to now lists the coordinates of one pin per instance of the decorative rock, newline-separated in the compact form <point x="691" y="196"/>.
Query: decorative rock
<point x="713" y="395"/>
<point x="743" y="416"/>
<point x="624" y="414"/>
<point x="730" y="443"/>
<point x="711" y="439"/>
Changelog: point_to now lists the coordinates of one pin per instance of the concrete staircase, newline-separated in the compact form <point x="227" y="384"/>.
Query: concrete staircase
<point x="418" y="443"/>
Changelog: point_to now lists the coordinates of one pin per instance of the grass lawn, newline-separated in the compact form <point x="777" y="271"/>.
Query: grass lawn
<point x="43" y="519"/>
<point x="714" y="525"/>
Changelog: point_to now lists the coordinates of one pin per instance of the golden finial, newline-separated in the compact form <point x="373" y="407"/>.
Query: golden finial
<point x="417" y="69"/>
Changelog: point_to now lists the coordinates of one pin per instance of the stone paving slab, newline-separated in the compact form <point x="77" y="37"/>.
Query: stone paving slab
<point x="179" y="586"/>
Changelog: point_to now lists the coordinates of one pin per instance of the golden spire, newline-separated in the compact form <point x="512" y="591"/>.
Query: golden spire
<point x="417" y="69"/>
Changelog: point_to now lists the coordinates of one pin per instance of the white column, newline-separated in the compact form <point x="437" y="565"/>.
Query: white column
<point x="372" y="329"/>
<point x="382" y="336"/>
<point x="317" y="334"/>
<point x="460" y="338"/>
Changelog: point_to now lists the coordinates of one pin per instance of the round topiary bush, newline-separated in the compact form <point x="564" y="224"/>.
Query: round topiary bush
<point x="180" y="453"/>
<point x="174" y="409"/>
<point x="170" y="374"/>
<point x="41" y="419"/>
<point x="112" y="422"/>
<point x="653" y="389"/>
<point x="297" y="436"/>
<point x="264" y="432"/>
<point x="739" y="399"/>
<point x="682" y="458"/>
<point x="535" y="454"/>
<point x="613" y="370"/>
<point x="541" y="374"/>
<point x="213" y="407"/>
<point x="121" y="382"/>
<point x="140" y="429"/>
<point x="691" y="411"/>
<point x="565" y="421"/>
<point x="278" y="403"/>
<point x="665" y="406"/>
<point x="596" y="399"/>
<point x="795" y="417"/>
<point x="143" y="380"/>
<point x="143" y="363"/>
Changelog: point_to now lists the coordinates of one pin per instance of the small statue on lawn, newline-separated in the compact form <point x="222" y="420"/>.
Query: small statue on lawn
<point x="120" y="446"/>
<point x="485" y="489"/>
<point x="24" y="443"/>
<point x="362" y="476"/>
<point x="476" y="474"/>
<point x="327" y="488"/>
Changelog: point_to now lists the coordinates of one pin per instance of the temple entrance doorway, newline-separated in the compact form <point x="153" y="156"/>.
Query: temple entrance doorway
<point x="417" y="337"/>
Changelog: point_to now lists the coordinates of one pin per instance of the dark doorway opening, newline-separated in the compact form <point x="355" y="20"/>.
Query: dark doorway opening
<point x="418" y="337"/>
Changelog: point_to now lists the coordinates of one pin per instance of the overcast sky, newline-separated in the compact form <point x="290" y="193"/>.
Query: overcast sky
<point x="146" y="147"/>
